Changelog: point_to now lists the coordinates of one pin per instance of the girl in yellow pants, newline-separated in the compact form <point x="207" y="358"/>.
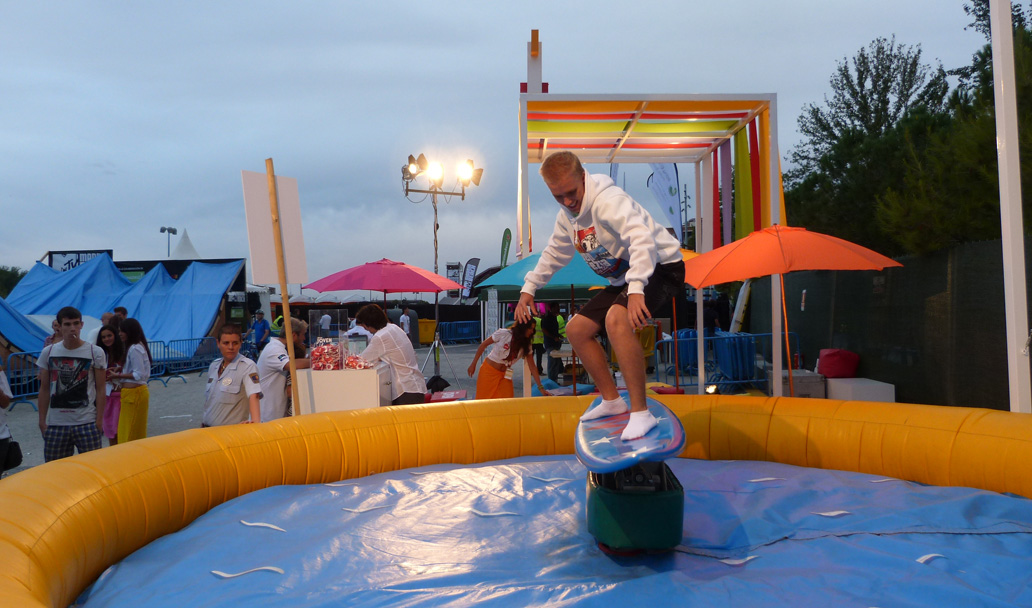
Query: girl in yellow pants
<point x="132" y="421"/>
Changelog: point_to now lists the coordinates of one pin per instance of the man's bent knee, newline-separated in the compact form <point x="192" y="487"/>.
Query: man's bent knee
<point x="617" y="321"/>
<point x="580" y="329"/>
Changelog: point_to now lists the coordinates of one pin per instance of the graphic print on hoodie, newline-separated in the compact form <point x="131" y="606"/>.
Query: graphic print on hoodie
<point x="598" y="257"/>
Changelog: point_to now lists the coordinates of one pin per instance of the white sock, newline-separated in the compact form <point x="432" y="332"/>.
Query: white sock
<point x="638" y="424"/>
<point x="606" y="408"/>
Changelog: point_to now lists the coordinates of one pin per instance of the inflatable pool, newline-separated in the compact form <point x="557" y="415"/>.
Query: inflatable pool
<point x="65" y="522"/>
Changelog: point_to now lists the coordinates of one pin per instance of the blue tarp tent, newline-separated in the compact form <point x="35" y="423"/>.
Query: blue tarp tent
<point x="19" y="330"/>
<point x="166" y="308"/>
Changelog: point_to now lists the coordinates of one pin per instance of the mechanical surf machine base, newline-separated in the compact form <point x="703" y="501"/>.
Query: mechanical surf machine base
<point x="634" y="502"/>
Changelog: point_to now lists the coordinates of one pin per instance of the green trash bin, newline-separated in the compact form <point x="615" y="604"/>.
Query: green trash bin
<point x="427" y="327"/>
<point x="641" y="507"/>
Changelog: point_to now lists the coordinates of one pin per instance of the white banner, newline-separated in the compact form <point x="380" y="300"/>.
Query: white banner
<point x="664" y="186"/>
<point x="258" y="210"/>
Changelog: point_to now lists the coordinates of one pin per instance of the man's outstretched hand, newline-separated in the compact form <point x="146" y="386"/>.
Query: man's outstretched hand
<point x="524" y="307"/>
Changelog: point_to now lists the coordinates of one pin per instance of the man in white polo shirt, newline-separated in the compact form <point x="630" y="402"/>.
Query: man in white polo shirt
<point x="274" y="370"/>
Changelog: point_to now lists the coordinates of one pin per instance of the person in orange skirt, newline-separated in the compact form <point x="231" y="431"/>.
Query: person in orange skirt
<point x="510" y="345"/>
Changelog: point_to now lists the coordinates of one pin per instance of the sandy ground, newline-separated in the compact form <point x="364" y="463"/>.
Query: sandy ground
<point x="177" y="405"/>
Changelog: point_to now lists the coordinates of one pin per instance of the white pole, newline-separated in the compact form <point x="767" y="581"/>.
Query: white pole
<point x="1016" y="306"/>
<point x="700" y="346"/>
<point x="775" y="218"/>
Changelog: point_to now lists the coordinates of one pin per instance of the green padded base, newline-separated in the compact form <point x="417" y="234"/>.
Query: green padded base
<point x="641" y="507"/>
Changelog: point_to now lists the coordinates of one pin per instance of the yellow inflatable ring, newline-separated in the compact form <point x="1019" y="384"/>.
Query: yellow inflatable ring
<point x="64" y="522"/>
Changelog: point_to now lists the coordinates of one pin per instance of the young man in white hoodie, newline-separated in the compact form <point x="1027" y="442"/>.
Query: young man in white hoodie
<point x="642" y="261"/>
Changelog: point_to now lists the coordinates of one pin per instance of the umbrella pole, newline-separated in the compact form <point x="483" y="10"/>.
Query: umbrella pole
<point x="677" y="362"/>
<point x="788" y="347"/>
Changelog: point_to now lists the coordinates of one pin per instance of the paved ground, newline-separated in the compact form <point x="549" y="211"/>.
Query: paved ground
<point x="178" y="405"/>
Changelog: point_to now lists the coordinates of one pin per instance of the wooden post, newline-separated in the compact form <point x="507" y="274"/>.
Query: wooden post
<point x="281" y="269"/>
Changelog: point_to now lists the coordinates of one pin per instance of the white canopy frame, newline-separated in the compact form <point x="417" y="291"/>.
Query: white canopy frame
<point x="649" y="129"/>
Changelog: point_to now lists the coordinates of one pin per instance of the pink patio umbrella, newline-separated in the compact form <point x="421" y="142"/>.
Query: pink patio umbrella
<point x="384" y="275"/>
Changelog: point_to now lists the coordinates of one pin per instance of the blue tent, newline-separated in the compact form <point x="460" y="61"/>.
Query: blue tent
<point x="19" y="330"/>
<point x="168" y="309"/>
<point x="576" y="273"/>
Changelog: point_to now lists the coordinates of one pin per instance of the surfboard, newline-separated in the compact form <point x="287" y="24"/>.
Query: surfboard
<point x="600" y="449"/>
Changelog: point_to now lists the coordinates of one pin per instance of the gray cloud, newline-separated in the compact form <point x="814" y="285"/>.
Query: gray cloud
<point x="120" y="118"/>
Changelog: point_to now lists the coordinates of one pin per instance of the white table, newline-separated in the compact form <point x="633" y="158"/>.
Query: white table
<point x="345" y="389"/>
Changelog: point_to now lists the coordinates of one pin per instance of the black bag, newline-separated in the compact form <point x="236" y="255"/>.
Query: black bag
<point x="14" y="455"/>
<point x="436" y="384"/>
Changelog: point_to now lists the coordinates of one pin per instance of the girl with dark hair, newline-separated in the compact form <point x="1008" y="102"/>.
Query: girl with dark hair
<point x="391" y="345"/>
<point x="132" y="420"/>
<point x="510" y="345"/>
<point x="111" y="343"/>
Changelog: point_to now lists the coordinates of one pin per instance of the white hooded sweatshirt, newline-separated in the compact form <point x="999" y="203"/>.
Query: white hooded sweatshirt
<point x="613" y="233"/>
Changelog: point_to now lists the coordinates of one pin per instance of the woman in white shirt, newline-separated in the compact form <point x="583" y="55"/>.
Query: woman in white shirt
<point x="510" y="345"/>
<point x="390" y="344"/>
<point x="132" y="420"/>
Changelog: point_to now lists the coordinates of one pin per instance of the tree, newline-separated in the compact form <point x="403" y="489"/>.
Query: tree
<point x="950" y="193"/>
<point x="9" y="277"/>
<point x="979" y="11"/>
<point x="854" y="146"/>
<point x="869" y="95"/>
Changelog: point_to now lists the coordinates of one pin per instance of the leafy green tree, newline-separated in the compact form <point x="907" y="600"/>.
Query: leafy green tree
<point x="854" y="145"/>
<point x="9" y="277"/>
<point x="869" y="95"/>
<point x="950" y="192"/>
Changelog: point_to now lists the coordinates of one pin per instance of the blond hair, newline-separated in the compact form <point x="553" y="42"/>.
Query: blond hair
<point x="559" y="165"/>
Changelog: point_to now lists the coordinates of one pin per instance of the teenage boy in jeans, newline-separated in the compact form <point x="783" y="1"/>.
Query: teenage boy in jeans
<point x="71" y="409"/>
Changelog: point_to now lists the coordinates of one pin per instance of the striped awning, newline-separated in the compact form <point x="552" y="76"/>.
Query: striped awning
<point x="642" y="129"/>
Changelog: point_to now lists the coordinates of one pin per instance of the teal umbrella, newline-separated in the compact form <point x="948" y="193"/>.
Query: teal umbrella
<point x="577" y="273"/>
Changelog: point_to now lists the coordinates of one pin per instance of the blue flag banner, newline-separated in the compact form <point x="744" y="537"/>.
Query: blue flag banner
<point x="468" y="274"/>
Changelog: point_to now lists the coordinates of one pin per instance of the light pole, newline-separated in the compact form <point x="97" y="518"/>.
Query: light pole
<point x="170" y="231"/>
<point x="434" y="173"/>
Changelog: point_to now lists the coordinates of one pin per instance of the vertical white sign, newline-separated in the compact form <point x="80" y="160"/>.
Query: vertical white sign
<point x="491" y="323"/>
<point x="259" y="229"/>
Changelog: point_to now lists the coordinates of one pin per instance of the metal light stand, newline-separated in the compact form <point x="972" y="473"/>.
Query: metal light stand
<point x="436" y="347"/>
<point x="435" y="351"/>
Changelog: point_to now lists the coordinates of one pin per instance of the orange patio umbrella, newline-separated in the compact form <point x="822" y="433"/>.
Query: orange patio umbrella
<point x="777" y="250"/>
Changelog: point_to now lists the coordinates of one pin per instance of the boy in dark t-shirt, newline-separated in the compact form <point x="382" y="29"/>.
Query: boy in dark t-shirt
<point x="71" y="409"/>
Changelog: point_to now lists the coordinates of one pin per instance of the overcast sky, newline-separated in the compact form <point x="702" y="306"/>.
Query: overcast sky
<point x="121" y="117"/>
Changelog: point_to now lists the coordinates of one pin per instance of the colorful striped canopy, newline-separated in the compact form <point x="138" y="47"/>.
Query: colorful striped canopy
<point x="638" y="129"/>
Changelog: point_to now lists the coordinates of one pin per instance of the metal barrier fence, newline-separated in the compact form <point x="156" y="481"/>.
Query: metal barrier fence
<point x="23" y="375"/>
<point x="460" y="331"/>
<point x="168" y="360"/>
<point x="732" y="360"/>
<point x="179" y="356"/>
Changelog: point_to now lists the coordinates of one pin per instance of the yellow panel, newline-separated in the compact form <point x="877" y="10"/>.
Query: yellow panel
<point x="576" y="126"/>
<point x="763" y="126"/>
<point x="64" y="522"/>
<point x="693" y="126"/>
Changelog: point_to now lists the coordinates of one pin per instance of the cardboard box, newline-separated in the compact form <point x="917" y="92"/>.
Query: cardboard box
<point x="807" y="383"/>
